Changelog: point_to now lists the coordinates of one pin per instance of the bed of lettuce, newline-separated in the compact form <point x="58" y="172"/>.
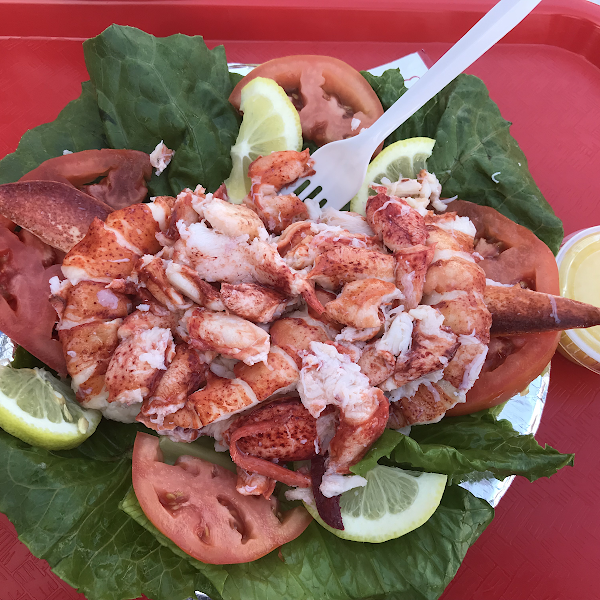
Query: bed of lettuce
<point x="75" y="510"/>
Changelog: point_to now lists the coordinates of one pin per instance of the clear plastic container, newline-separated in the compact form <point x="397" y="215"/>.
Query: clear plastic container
<point x="579" y="271"/>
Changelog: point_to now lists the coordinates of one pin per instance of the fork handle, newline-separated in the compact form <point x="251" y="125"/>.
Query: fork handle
<point x="491" y="28"/>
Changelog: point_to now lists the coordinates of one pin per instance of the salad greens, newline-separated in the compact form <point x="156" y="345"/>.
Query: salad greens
<point x="475" y="157"/>
<point x="463" y="446"/>
<point x="66" y="506"/>
<point x="172" y="89"/>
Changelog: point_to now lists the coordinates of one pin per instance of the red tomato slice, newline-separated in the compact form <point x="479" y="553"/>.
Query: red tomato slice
<point x="26" y="315"/>
<point x="333" y="99"/>
<point x="513" y="361"/>
<point x="195" y="504"/>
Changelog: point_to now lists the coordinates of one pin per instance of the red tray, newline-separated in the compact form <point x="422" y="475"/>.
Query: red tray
<point x="545" y="77"/>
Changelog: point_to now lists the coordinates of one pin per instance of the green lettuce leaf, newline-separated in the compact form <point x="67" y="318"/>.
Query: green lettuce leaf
<point x="77" y="127"/>
<point x="173" y="89"/>
<point x="417" y="566"/>
<point x="462" y="446"/>
<point x="65" y="507"/>
<point x="388" y="86"/>
<point x="473" y="144"/>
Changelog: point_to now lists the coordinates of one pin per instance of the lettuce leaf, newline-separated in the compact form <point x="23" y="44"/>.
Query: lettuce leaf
<point x="474" y="147"/>
<point x="173" y="89"/>
<point x="143" y="90"/>
<point x="417" y="566"/>
<point x="462" y="446"/>
<point x="64" y="506"/>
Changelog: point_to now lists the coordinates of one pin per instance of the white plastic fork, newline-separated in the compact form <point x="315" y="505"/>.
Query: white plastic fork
<point x="341" y="166"/>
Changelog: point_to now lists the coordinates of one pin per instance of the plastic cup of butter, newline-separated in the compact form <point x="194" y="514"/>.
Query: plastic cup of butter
<point x="579" y="272"/>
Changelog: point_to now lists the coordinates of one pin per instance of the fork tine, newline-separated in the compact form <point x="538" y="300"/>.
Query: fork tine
<point x="302" y="194"/>
<point x="305" y="181"/>
<point x="310" y="190"/>
<point x="292" y="187"/>
<point x="312" y="184"/>
<point x="318" y="197"/>
<point x="316" y="184"/>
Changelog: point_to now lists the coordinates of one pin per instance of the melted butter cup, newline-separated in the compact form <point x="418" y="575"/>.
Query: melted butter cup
<point x="579" y="271"/>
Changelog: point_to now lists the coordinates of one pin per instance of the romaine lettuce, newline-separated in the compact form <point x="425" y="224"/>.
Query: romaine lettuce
<point x="65" y="506"/>
<point x="463" y="446"/>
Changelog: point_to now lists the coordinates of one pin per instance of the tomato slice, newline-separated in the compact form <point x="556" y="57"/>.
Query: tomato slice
<point x="26" y="315"/>
<point x="195" y="504"/>
<point x="519" y="257"/>
<point x="333" y="99"/>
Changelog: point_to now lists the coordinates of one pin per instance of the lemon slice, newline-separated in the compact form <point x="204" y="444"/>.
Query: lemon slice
<point x="42" y="411"/>
<point x="270" y="123"/>
<point x="392" y="503"/>
<point x="401" y="159"/>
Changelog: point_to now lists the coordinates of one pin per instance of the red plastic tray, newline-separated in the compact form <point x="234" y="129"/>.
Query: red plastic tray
<point x="545" y="77"/>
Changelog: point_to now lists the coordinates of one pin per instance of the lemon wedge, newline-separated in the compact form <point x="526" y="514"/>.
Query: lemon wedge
<point x="270" y="124"/>
<point x="42" y="411"/>
<point x="393" y="503"/>
<point x="400" y="159"/>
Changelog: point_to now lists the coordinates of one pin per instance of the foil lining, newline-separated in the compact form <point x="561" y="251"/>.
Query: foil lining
<point x="7" y="349"/>
<point x="524" y="412"/>
<point x="240" y="68"/>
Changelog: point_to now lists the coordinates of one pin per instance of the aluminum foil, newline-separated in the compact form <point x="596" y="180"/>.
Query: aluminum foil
<point x="524" y="411"/>
<point x="240" y="68"/>
<point x="7" y="349"/>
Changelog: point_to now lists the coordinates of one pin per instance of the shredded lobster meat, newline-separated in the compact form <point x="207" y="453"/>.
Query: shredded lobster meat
<point x="197" y="316"/>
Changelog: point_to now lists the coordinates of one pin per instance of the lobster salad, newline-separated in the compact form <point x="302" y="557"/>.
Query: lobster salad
<point x="309" y="345"/>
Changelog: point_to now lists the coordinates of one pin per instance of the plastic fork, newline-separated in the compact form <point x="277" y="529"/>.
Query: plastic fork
<point x="341" y="166"/>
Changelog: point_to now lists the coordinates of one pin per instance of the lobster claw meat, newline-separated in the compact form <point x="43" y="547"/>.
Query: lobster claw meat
<point x="283" y="430"/>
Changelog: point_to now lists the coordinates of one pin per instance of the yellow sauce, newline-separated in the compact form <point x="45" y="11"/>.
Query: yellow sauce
<point x="579" y="271"/>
